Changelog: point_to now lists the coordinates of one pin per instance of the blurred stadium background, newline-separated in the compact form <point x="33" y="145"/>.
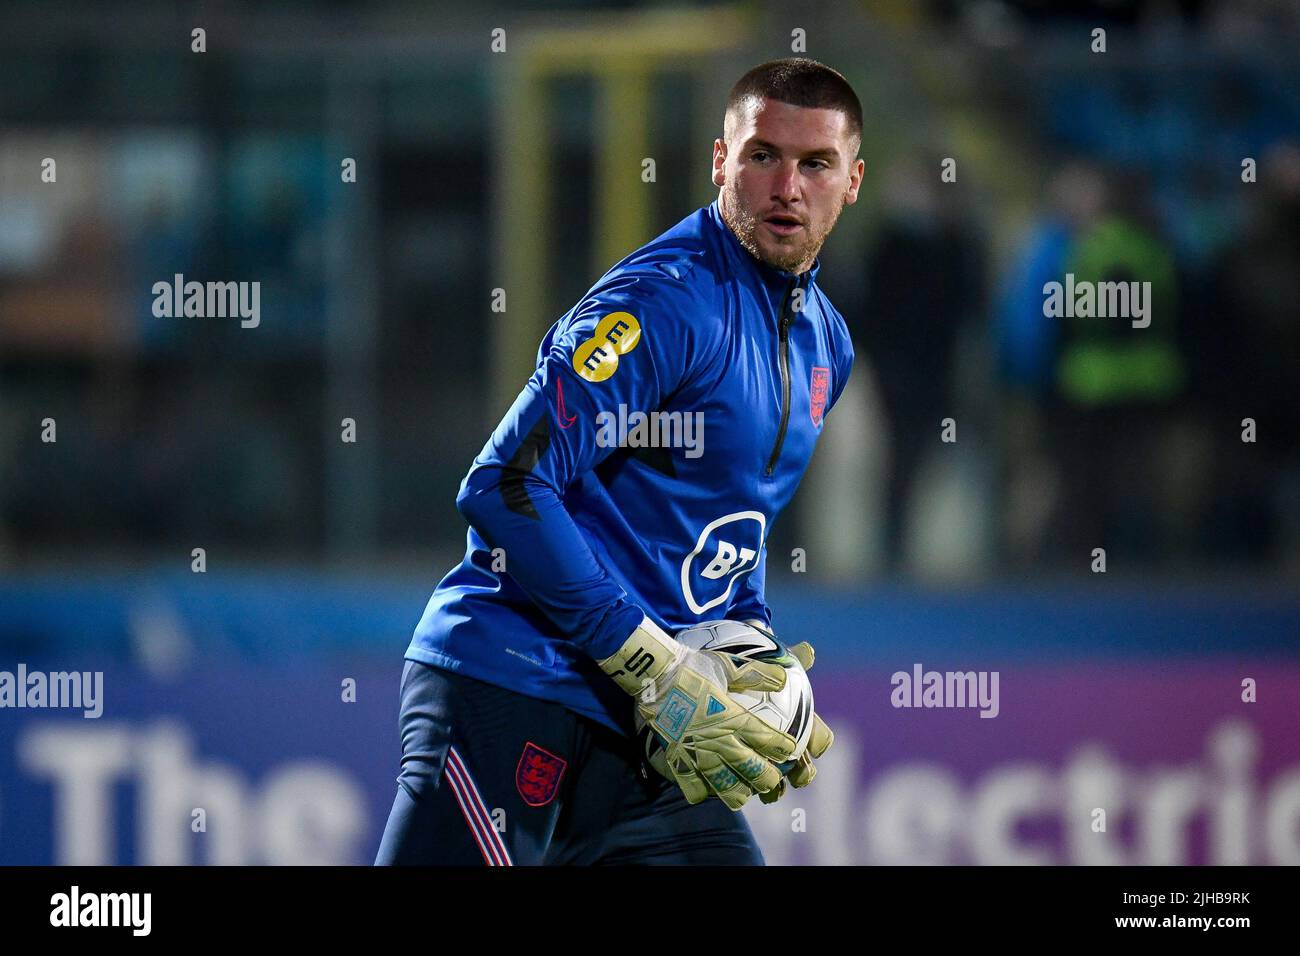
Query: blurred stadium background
<point x="521" y="170"/>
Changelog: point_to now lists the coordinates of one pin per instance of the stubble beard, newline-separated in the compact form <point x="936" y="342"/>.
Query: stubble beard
<point x="745" y="225"/>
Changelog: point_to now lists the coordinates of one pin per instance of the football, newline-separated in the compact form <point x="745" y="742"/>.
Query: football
<point x="790" y="709"/>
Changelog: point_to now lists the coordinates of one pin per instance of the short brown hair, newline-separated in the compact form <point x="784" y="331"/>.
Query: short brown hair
<point x="799" y="81"/>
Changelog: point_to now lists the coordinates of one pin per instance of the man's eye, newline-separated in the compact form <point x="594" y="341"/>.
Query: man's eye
<point x="760" y="156"/>
<point x="818" y="163"/>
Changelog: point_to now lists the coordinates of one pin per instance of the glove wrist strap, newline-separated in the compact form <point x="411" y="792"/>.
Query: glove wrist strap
<point x="644" y="657"/>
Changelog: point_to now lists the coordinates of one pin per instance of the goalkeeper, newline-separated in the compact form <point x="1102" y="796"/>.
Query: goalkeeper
<point x="589" y="547"/>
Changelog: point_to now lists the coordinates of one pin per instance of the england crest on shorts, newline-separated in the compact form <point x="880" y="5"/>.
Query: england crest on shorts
<point x="537" y="778"/>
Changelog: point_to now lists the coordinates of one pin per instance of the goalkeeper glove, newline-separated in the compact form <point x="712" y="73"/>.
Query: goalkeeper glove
<point x="711" y="743"/>
<point x="803" y="771"/>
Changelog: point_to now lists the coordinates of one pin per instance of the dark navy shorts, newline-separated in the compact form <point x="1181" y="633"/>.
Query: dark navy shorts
<point x="490" y="776"/>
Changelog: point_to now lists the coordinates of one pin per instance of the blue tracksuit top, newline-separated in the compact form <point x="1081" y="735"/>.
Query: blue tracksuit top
<point x="671" y="415"/>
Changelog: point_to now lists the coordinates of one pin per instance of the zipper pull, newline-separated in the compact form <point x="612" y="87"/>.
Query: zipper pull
<point x="787" y="312"/>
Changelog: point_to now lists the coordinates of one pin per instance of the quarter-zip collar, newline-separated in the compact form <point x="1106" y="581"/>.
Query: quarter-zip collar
<point x="777" y="282"/>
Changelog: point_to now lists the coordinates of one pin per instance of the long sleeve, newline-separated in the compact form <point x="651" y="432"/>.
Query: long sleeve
<point x="631" y="343"/>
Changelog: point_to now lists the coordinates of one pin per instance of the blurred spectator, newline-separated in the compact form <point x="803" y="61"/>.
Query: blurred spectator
<point x="1106" y="392"/>
<point x="924" y="282"/>
<point x="1252" y="368"/>
<point x="1027" y="339"/>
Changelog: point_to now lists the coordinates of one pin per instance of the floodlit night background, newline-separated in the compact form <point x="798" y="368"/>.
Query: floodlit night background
<point x="1165" y="690"/>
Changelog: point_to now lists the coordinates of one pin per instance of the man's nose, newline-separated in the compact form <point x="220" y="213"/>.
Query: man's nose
<point x="786" y="185"/>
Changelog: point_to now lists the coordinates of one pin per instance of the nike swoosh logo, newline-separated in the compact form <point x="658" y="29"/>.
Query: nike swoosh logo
<point x="564" y="420"/>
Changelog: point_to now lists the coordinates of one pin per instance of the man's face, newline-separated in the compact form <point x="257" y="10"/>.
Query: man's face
<point x="786" y="173"/>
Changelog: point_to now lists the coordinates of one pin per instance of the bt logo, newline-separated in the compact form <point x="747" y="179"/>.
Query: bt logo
<point x="726" y="549"/>
<point x="726" y="559"/>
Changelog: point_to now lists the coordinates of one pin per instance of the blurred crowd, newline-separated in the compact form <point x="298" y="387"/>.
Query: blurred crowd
<point x="1174" y="445"/>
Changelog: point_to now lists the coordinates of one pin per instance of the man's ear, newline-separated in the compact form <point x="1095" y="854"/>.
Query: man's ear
<point x="855" y="181"/>
<point x="719" y="162"/>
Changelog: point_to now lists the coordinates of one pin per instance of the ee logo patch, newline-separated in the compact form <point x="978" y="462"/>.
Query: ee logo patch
<point x="616" y="334"/>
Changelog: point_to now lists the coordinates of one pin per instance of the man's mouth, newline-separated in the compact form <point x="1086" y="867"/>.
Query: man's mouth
<point x="783" y="225"/>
